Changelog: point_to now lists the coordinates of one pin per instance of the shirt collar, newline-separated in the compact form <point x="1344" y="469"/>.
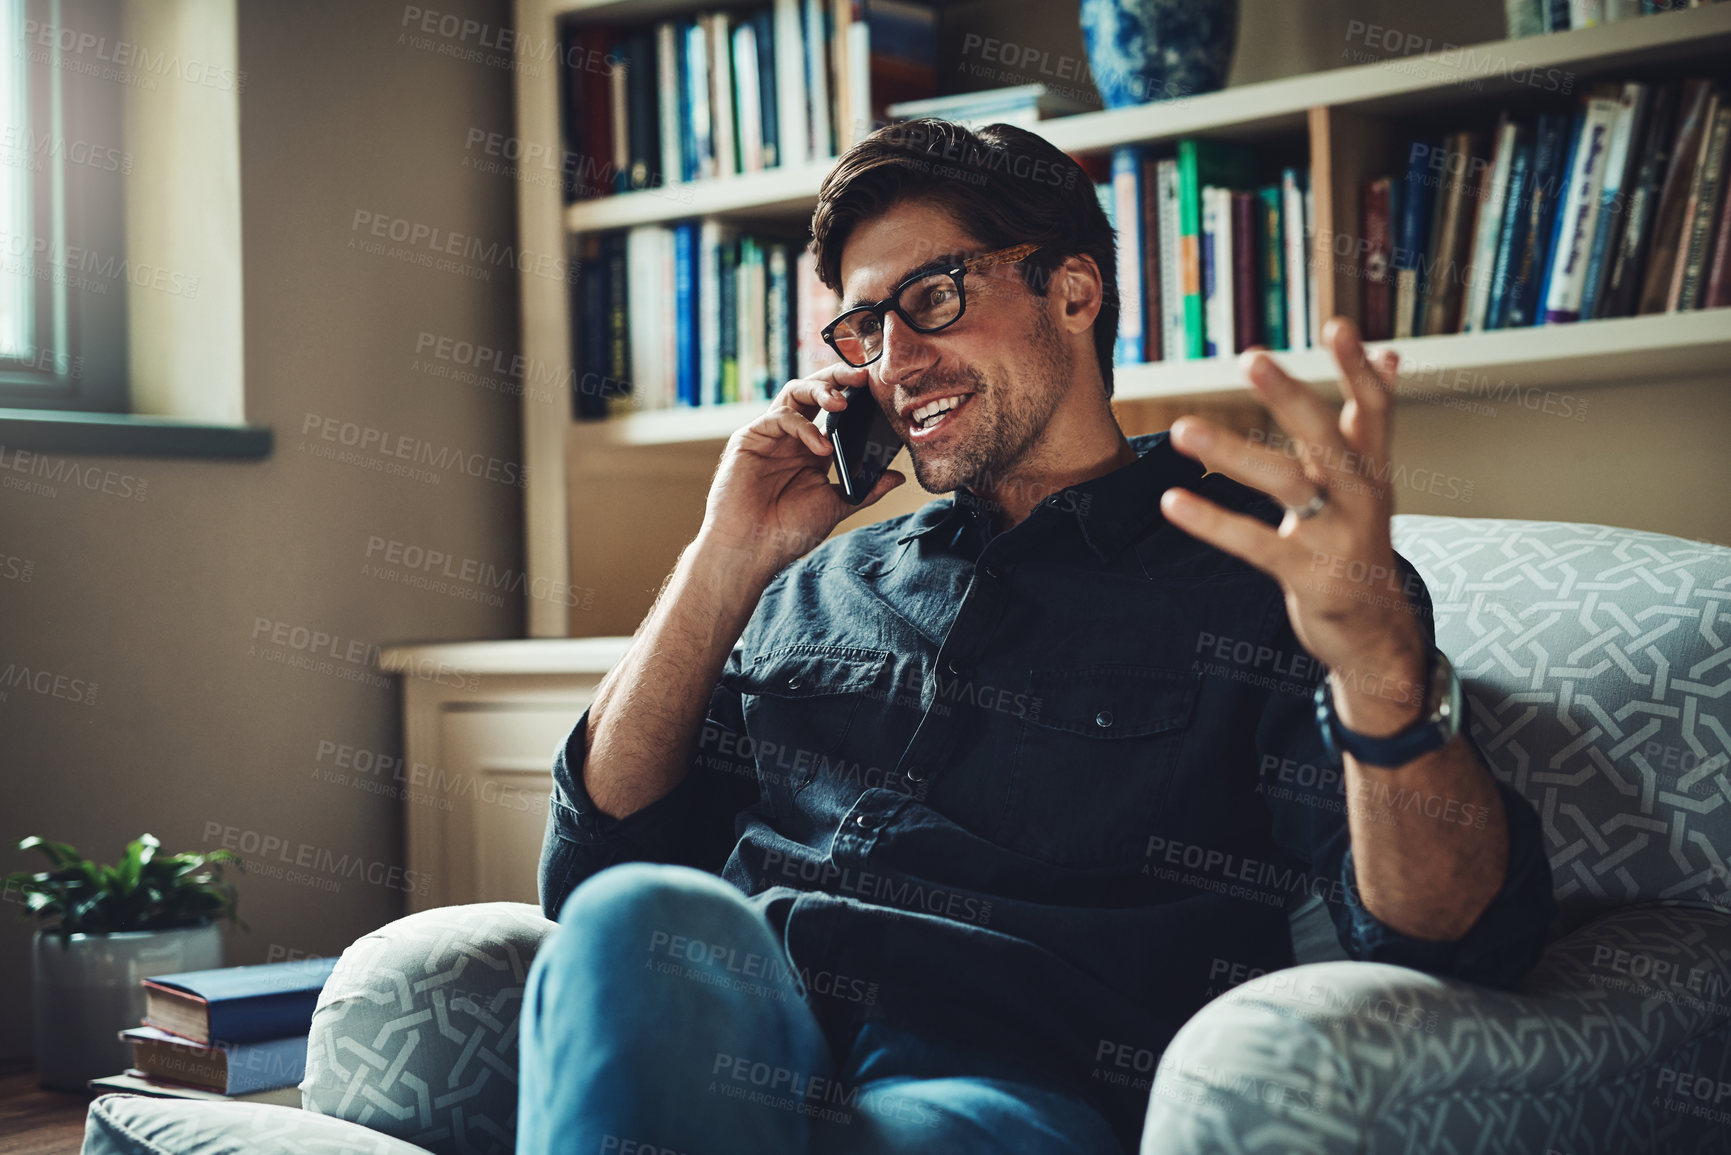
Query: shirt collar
<point x="1111" y="512"/>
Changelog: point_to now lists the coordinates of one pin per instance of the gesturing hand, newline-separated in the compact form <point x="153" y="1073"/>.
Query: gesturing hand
<point x="1332" y="553"/>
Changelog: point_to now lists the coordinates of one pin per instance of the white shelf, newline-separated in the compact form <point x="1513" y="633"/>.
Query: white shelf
<point x="1495" y="368"/>
<point x="1386" y="87"/>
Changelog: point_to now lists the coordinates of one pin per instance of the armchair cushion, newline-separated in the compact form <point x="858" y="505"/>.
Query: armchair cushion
<point x="1617" y="1038"/>
<point x="143" y="1125"/>
<point x="415" y="1032"/>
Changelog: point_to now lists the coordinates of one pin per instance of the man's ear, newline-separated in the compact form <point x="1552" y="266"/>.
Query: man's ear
<point x="1078" y="285"/>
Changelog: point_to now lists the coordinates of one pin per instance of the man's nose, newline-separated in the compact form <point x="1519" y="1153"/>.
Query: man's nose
<point x="906" y="351"/>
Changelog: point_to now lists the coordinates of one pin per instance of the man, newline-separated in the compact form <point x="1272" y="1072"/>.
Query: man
<point x="993" y="788"/>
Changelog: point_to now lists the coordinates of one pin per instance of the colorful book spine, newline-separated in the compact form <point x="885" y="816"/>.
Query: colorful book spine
<point x="727" y="315"/>
<point x="1692" y="118"/>
<point x="696" y="65"/>
<point x="1271" y="260"/>
<point x="1449" y="256"/>
<point x="1607" y="233"/>
<point x="1296" y="289"/>
<point x="1621" y="296"/>
<point x="815" y="29"/>
<point x="1512" y="236"/>
<point x="1246" y="300"/>
<point x="1127" y="220"/>
<point x="748" y="97"/>
<point x="768" y="80"/>
<point x="686" y="308"/>
<point x="1488" y="228"/>
<point x="1551" y="142"/>
<point x="1417" y="193"/>
<point x="1173" y="339"/>
<point x="780" y="308"/>
<point x="1217" y="270"/>
<point x="1148" y="198"/>
<point x="667" y="102"/>
<point x="1202" y="162"/>
<point x="1378" y="216"/>
<point x="1703" y="208"/>
<point x="1580" y="213"/>
<point x="721" y="100"/>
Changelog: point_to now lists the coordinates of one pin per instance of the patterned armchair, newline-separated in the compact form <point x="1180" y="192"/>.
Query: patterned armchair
<point x="1597" y="664"/>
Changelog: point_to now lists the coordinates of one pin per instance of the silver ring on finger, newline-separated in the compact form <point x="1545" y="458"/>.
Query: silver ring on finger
<point x="1312" y="507"/>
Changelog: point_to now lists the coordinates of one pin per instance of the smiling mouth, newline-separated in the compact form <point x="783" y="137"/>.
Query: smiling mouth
<point x="923" y="421"/>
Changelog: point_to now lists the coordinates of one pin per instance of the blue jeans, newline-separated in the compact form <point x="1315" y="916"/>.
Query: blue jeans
<point x="661" y="1018"/>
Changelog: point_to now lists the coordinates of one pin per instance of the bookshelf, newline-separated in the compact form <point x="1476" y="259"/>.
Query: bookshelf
<point x="1347" y="118"/>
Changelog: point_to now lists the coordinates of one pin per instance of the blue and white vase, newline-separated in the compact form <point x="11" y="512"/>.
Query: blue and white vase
<point x="1147" y="50"/>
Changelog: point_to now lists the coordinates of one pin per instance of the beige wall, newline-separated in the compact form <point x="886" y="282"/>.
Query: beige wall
<point x="155" y="601"/>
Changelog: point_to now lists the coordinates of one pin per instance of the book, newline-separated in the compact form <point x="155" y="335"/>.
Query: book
<point x="619" y="113"/>
<point x="136" y="1082"/>
<point x="1556" y="15"/>
<point x="1296" y="290"/>
<point x="1564" y="188"/>
<point x="1623" y="283"/>
<point x="1524" y="17"/>
<point x="1173" y="340"/>
<point x="240" y="1004"/>
<point x="1246" y="297"/>
<point x="793" y="131"/>
<point x="779" y="305"/>
<point x="589" y="330"/>
<point x="858" y="55"/>
<point x="748" y="97"/>
<point x="1718" y="292"/>
<point x="689" y="366"/>
<point x="1607" y="234"/>
<point x="617" y="384"/>
<point x="1551" y="139"/>
<point x="1377" y="213"/>
<point x="1674" y="196"/>
<point x="727" y="331"/>
<point x="718" y="48"/>
<point x="843" y="117"/>
<point x="1586" y="13"/>
<point x="1579" y="212"/>
<point x="1416" y="196"/>
<point x="1202" y="162"/>
<point x="228" y="1068"/>
<point x="1271" y="260"/>
<point x="904" y="54"/>
<point x="644" y="298"/>
<point x="1702" y="210"/>
<point x="1149" y="229"/>
<point x="1313" y="299"/>
<point x="1512" y="238"/>
<point x="1217" y="330"/>
<point x="667" y="102"/>
<point x="1450" y="253"/>
<point x="764" y="66"/>
<point x="815" y="305"/>
<point x="1488" y="227"/>
<point x="1127" y="223"/>
<point x="642" y="122"/>
<point x="815" y="30"/>
<point x="701" y="164"/>
<point x="1021" y="104"/>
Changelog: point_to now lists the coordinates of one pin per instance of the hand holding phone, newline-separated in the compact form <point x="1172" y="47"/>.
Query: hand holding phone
<point x="864" y="442"/>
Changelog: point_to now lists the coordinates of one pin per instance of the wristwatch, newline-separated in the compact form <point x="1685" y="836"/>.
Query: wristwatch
<point x="1440" y="723"/>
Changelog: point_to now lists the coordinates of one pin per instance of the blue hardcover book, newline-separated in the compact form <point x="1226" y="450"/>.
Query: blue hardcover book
<point x="1511" y="234"/>
<point x="1418" y="190"/>
<point x="1565" y="182"/>
<point x="238" y="1004"/>
<point x="224" y="1067"/>
<point x="1127" y="219"/>
<point x="685" y="310"/>
<point x="1551" y="149"/>
<point x="1614" y="196"/>
<point x="682" y="81"/>
<point x="1557" y="15"/>
<point x="763" y="22"/>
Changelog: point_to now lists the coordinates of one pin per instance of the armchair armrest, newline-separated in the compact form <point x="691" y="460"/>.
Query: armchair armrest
<point x="1606" y="1048"/>
<point x="415" y="1032"/>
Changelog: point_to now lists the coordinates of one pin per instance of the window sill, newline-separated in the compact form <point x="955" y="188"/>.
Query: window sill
<point x="127" y="435"/>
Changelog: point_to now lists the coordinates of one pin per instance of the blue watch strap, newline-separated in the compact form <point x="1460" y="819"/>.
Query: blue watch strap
<point x="1430" y="732"/>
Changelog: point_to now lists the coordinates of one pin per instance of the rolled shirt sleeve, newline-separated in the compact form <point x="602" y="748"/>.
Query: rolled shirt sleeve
<point x="1309" y="817"/>
<point x="691" y="825"/>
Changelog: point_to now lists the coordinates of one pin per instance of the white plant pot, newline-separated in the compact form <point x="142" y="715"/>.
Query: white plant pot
<point x="89" y="989"/>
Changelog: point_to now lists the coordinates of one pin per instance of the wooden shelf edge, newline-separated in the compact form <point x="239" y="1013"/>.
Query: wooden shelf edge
<point x="1495" y="367"/>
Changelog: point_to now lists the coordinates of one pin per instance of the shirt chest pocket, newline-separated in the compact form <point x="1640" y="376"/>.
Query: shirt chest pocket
<point x="1094" y="762"/>
<point x="799" y="703"/>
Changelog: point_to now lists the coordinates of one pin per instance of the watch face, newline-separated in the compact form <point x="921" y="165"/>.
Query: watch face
<point x="1445" y="695"/>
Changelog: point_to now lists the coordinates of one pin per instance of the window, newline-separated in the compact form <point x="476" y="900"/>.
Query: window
<point x="63" y="261"/>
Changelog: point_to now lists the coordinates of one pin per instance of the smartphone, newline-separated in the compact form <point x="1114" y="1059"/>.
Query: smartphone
<point x="864" y="443"/>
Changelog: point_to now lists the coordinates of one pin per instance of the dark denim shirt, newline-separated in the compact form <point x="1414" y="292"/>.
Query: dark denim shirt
<point x="1043" y="792"/>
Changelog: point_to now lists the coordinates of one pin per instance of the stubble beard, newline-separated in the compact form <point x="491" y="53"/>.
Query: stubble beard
<point x="1012" y="414"/>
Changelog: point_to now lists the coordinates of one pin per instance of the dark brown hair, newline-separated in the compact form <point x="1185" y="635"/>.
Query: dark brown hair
<point x="1002" y="184"/>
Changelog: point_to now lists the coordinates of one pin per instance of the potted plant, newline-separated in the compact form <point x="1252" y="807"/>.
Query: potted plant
<point x="102" y="929"/>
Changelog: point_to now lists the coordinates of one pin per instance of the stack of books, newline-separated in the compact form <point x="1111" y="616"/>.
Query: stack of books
<point x="1532" y="17"/>
<point x="1614" y="210"/>
<point x="698" y="313"/>
<point x="1210" y="261"/>
<point x="720" y="94"/>
<point x="235" y="1033"/>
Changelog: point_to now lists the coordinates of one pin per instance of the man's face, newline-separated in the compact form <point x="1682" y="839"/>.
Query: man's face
<point x="995" y="376"/>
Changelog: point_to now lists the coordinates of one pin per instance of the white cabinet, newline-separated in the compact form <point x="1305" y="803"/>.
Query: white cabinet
<point x="481" y="723"/>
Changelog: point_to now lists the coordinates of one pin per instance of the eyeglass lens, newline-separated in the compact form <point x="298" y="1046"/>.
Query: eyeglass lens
<point x="930" y="303"/>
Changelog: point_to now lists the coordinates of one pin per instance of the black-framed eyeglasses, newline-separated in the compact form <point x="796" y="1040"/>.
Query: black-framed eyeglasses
<point x="927" y="301"/>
